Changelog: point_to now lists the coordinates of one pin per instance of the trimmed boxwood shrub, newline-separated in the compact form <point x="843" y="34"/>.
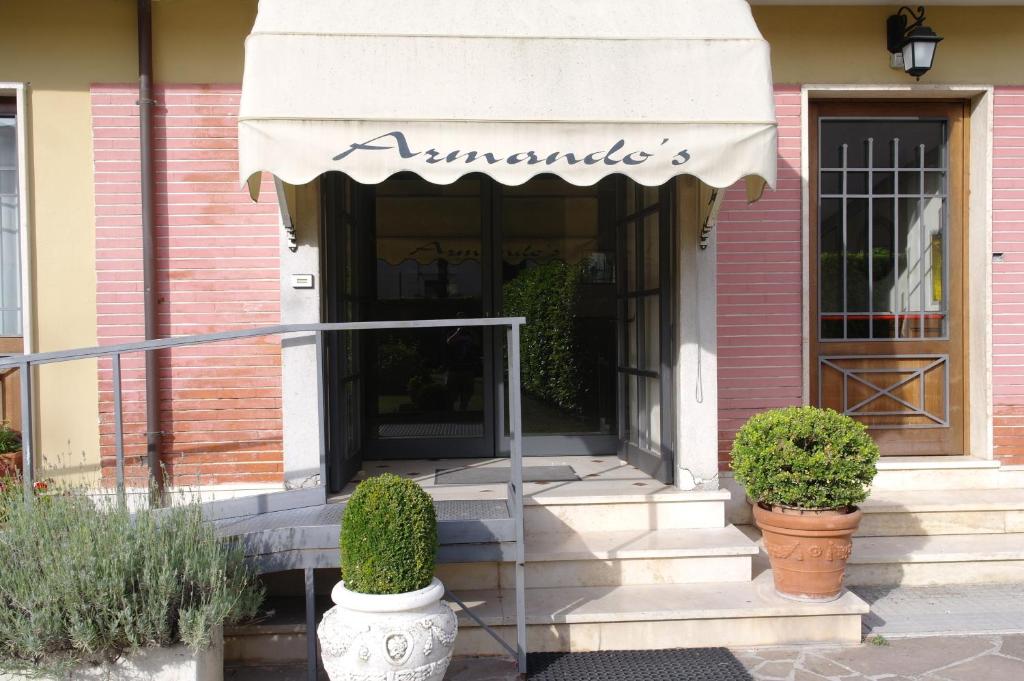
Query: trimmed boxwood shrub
<point x="388" y="537"/>
<point x="804" y="457"/>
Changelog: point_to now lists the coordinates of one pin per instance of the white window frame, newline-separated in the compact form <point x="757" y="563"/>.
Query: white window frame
<point x="20" y="93"/>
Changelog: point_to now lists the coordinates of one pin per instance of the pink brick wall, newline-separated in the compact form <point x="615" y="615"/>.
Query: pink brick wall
<point x="759" y="289"/>
<point x="759" y="284"/>
<point x="1008" y="276"/>
<point x="217" y="269"/>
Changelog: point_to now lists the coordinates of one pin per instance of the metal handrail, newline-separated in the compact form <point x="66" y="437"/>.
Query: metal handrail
<point x="200" y="339"/>
<point x="25" y="362"/>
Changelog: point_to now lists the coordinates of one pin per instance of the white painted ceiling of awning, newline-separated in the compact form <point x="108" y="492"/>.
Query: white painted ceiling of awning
<point x="579" y="88"/>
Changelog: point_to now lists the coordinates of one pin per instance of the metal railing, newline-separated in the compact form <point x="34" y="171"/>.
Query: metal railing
<point x="27" y="362"/>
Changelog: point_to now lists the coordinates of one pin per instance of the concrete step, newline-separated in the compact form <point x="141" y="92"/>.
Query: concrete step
<point x="659" y="616"/>
<point x="900" y="473"/>
<point x="1011" y="477"/>
<point x="280" y="638"/>
<point x="937" y="512"/>
<point x="604" y="618"/>
<point x="937" y="559"/>
<point x="565" y="511"/>
<point x="617" y="558"/>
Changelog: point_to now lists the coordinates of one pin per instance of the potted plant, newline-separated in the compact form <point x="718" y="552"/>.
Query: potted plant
<point x="92" y="591"/>
<point x="806" y="470"/>
<point x="389" y="620"/>
<point x="10" y="451"/>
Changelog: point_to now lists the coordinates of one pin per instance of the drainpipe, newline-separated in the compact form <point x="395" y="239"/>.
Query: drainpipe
<point x="153" y="432"/>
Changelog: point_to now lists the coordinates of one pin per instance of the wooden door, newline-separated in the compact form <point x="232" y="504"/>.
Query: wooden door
<point x="887" y="281"/>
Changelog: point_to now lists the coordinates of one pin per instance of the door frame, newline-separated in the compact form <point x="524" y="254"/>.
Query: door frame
<point x="975" y="230"/>
<point x="534" y="445"/>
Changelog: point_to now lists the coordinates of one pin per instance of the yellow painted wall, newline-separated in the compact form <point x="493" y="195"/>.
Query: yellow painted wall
<point x="56" y="47"/>
<point x="846" y="44"/>
<point x="63" y="46"/>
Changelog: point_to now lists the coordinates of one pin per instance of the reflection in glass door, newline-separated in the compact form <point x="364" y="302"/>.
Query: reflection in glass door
<point x="644" y="367"/>
<point x="557" y="259"/>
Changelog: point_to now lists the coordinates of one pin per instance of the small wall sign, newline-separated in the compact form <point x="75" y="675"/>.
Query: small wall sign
<point x="302" y="281"/>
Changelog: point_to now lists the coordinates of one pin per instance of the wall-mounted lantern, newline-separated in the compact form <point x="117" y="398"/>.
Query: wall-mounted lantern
<point x="914" y="41"/>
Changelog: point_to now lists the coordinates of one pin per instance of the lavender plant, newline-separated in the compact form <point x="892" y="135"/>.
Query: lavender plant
<point x="87" y="583"/>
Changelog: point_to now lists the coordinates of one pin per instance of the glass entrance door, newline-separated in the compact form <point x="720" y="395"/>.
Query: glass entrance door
<point x="429" y="391"/>
<point x="557" y="264"/>
<point x="644" y="367"/>
<point x="343" y="257"/>
<point x="586" y="272"/>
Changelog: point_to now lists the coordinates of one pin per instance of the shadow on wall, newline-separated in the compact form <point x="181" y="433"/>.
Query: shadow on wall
<point x="760" y="288"/>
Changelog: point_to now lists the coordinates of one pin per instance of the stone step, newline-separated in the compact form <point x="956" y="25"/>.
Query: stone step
<point x="659" y="616"/>
<point x="937" y="559"/>
<point x="898" y="473"/>
<point x="605" y="618"/>
<point x="617" y="558"/>
<point x="1011" y="477"/>
<point x="936" y="512"/>
<point x="621" y="509"/>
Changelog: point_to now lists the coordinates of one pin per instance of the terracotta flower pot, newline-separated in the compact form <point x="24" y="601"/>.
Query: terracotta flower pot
<point x="808" y="549"/>
<point x="10" y="464"/>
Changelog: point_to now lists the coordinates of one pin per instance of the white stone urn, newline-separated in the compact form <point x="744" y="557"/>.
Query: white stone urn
<point x="399" y="637"/>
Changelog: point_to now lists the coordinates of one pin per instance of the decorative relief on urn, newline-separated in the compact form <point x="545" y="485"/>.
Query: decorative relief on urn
<point x="409" y="646"/>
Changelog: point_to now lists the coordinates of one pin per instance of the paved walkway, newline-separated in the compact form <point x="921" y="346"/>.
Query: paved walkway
<point x="939" y="610"/>
<point x="942" y="658"/>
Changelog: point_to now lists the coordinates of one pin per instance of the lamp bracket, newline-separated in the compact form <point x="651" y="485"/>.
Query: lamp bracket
<point x="899" y="26"/>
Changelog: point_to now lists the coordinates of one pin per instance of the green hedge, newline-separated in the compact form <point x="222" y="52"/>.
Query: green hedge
<point x="547" y="296"/>
<point x="10" y="440"/>
<point x="388" y="537"/>
<point x="804" y="457"/>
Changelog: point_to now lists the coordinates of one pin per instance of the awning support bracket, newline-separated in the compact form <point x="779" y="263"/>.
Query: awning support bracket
<point x="286" y="216"/>
<point x="711" y="221"/>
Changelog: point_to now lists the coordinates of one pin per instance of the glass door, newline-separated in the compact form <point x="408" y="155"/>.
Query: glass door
<point x="584" y="265"/>
<point x="429" y="391"/>
<point x="557" y="264"/>
<point x="644" y="312"/>
<point x="344" y="263"/>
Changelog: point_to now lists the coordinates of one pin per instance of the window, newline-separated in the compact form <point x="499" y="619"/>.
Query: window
<point x="10" y="259"/>
<point x="883" y="229"/>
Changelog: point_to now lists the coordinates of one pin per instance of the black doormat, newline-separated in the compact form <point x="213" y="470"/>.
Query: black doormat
<point x="497" y="475"/>
<point x="692" y="664"/>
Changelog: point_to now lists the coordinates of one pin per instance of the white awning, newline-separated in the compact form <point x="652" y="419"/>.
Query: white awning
<point x="582" y="89"/>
